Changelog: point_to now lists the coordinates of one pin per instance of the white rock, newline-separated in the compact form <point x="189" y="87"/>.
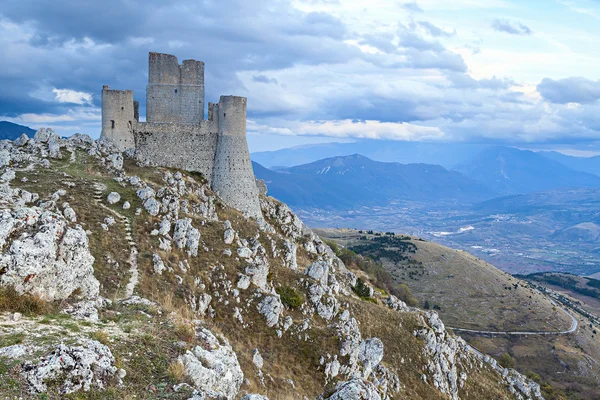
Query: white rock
<point x="319" y="271"/>
<point x="110" y="221"/>
<point x="83" y="310"/>
<point x="213" y="367"/>
<point x="257" y="359"/>
<point x="244" y="282"/>
<point x="186" y="236"/>
<point x="15" y="351"/>
<point x="49" y="259"/>
<point x="85" y="366"/>
<point x="21" y="140"/>
<point x="355" y="389"/>
<point x="113" y="198"/>
<point x="158" y="264"/>
<point x="271" y="308"/>
<point x="126" y="206"/>
<point x="253" y="396"/>
<point x="370" y="354"/>
<point x="244" y="252"/>
<point x="152" y="206"/>
<point x="69" y="214"/>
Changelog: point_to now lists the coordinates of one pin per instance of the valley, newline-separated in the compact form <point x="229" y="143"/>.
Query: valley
<point x="544" y="333"/>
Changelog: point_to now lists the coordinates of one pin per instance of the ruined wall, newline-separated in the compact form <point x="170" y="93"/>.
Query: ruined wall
<point x="175" y="93"/>
<point x="189" y="147"/>
<point x="118" y="117"/>
<point x="233" y="177"/>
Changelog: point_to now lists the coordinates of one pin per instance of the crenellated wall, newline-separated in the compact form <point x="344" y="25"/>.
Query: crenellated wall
<point x="176" y="134"/>
<point x="175" y="93"/>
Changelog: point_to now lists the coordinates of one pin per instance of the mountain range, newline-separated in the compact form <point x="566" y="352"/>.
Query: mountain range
<point x="351" y="181"/>
<point x="11" y="131"/>
<point x="346" y="182"/>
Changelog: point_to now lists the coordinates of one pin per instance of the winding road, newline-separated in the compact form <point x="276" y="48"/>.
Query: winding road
<point x="573" y="328"/>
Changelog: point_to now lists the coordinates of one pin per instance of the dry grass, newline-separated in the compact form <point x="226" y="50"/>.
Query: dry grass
<point x="101" y="336"/>
<point x="26" y="304"/>
<point x="176" y="371"/>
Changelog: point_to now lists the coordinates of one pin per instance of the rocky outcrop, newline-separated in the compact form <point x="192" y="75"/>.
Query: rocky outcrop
<point x="213" y="367"/>
<point x="49" y="258"/>
<point x="87" y="365"/>
<point x="355" y="389"/>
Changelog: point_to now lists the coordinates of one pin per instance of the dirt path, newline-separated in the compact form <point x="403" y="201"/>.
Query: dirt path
<point x="99" y="191"/>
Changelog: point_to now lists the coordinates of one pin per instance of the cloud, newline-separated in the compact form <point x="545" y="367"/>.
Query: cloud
<point x="352" y="129"/>
<point x="72" y="96"/>
<point x="412" y="6"/>
<point x="435" y="30"/>
<point x="264" y="79"/>
<point x="513" y="28"/>
<point x="570" y="90"/>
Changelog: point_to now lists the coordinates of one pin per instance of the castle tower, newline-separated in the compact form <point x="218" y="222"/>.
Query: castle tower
<point x="233" y="177"/>
<point x="118" y="117"/>
<point x="175" y="93"/>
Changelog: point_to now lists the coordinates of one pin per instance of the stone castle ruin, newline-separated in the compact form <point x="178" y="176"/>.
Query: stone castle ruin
<point x="175" y="133"/>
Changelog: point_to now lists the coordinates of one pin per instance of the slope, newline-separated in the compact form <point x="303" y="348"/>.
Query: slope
<point x="584" y="164"/>
<point x="352" y="181"/>
<point x="509" y="170"/>
<point x="11" y="131"/>
<point x="223" y="306"/>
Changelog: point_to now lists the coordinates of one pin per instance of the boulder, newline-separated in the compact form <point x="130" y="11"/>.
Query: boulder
<point x="113" y="198"/>
<point x="85" y="366"/>
<point x="47" y="258"/>
<point x="213" y="366"/>
<point x="271" y="308"/>
<point x="355" y="389"/>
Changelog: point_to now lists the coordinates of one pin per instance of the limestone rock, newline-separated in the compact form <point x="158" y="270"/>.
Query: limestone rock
<point x="158" y="264"/>
<point x="257" y="359"/>
<point x="255" y="397"/>
<point x="355" y="389"/>
<point x="186" y="236"/>
<point x="271" y="308"/>
<point x="213" y="366"/>
<point x="85" y="366"/>
<point x="126" y="206"/>
<point x="83" y="310"/>
<point x="319" y="271"/>
<point x="113" y="198"/>
<point x="48" y="258"/>
<point x="370" y="354"/>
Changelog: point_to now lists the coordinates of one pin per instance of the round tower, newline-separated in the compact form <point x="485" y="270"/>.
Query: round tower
<point x="233" y="177"/>
<point x="118" y="117"/>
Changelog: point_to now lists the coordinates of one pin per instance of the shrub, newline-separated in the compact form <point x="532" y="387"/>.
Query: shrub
<point x="289" y="297"/>
<point x="506" y="361"/>
<point x="361" y="289"/>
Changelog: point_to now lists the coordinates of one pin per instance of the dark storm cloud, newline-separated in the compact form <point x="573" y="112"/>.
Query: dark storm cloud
<point x="570" y="90"/>
<point x="513" y="28"/>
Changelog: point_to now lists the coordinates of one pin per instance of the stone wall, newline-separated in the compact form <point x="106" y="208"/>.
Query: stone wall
<point x="233" y="177"/>
<point x="184" y="146"/>
<point x="175" y="93"/>
<point x="118" y="117"/>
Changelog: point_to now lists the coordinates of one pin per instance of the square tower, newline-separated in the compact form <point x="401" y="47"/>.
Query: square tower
<point x="175" y="93"/>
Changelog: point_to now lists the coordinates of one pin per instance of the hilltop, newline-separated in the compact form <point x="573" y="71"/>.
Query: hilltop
<point x="123" y="280"/>
<point x="11" y="131"/>
<point x="489" y="308"/>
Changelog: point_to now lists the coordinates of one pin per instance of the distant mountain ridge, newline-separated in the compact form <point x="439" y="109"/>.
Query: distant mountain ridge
<point x="508" y="170"/>
<point x="583" y="164"/>
<point x="350" y="181"/>
<point x="11" y="131"/>
<point x="444" y="154"/>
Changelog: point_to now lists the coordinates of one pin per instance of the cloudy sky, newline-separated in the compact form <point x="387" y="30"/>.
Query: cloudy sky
<point x="506" y="71"/>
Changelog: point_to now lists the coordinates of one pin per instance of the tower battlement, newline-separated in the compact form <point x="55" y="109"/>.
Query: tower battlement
<point x="176" y="134"/>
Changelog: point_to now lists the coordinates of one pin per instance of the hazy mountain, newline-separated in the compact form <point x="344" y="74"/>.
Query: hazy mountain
<point x="584" y="164"/>
<point x="444" y="154"/>
<point x="11" y="131"/>
<point x="350" y="181"/>
<point x="510" y="170"/>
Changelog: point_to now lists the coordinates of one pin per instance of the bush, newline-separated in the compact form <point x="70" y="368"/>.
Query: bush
<point x="361" y="289"/>
<point x="289" y="297"/>
<point x="506" y="361"/>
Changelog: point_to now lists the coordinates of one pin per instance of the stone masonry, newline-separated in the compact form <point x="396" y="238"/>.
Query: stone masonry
<point x="176" y="134"/>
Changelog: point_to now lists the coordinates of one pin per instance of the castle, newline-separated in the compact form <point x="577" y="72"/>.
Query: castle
<point x="175" y="133"/>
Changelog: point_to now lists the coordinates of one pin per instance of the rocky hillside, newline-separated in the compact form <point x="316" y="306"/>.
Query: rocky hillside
<point x="120" y="280"/>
